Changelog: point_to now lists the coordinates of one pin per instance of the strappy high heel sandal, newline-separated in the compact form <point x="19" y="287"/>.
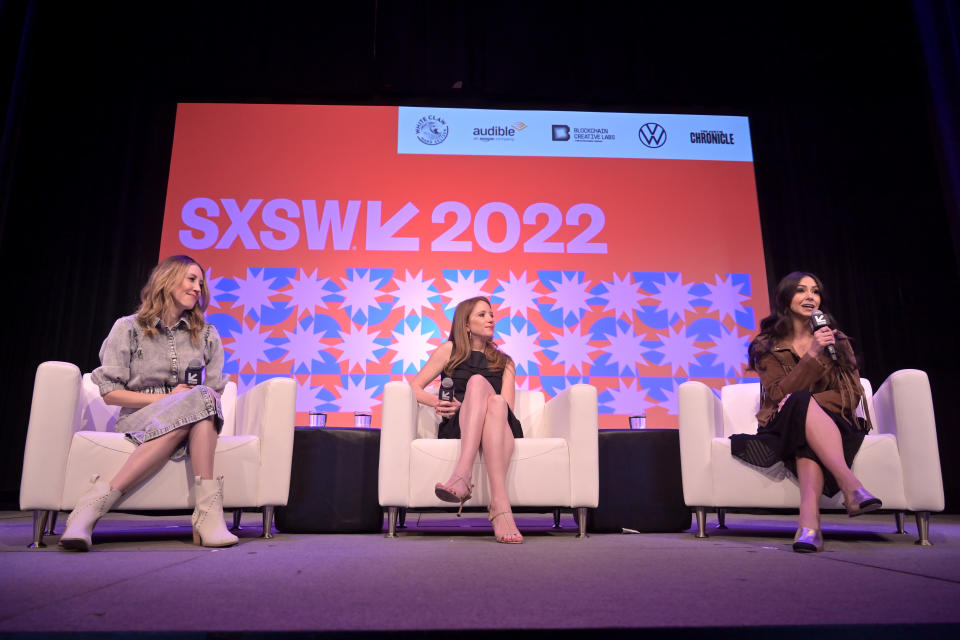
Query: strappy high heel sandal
<point x="447" y="494"/>
<point x="503" y="539"/>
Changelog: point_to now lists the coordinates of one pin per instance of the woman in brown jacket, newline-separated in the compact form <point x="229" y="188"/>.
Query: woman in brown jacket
<point x="808" y="404"/>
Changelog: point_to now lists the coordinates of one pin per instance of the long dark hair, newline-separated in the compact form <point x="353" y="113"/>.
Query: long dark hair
<point x="779" y="324"/>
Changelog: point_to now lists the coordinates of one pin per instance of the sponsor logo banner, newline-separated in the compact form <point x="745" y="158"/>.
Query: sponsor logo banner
<point x="574" y="134"/>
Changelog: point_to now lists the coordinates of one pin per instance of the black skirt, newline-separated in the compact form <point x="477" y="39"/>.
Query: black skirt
<point x="450" y="427"/>
<point x="784" y="439"/>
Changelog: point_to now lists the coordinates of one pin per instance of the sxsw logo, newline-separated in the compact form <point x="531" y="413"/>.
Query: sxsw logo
<point x="653" y="135"/>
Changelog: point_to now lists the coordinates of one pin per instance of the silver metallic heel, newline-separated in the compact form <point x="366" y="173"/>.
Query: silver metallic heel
<point x="861" y="502"/>
<point x="808" y="540"/>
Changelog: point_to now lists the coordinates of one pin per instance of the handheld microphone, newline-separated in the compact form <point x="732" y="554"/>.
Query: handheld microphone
<point x="446" y="390"/>
<point x="193" y="373"/>
<point x="818" y="320"/>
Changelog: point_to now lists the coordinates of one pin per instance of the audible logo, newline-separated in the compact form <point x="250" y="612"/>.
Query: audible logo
<point x="500" y="133"/>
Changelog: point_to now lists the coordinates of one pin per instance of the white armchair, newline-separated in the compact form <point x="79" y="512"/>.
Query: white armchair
<point x="554" y="465"/>
<point x="70" y="437"/>
<point x="898" y="461"/>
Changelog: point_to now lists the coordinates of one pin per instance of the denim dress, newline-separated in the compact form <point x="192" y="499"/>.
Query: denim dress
<point x="131" y="360"/>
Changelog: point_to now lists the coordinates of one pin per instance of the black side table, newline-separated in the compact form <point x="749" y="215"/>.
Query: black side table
<point x="333" y="482"/>
<point x="640" y="484"/>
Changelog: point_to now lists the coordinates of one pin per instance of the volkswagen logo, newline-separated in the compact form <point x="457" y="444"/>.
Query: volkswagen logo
<point x="652" y="135"/>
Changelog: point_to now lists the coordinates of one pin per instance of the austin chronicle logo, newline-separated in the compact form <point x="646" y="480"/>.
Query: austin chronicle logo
<point x="561" y="132"/>
<point x="432" y="130"/>
<point x="653" y="135"/>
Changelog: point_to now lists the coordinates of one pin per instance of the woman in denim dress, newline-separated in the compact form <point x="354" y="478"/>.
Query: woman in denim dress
<point x="143" y="370"/>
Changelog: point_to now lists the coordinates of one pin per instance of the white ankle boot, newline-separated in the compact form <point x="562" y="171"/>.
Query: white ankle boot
<point x="91" y="506"/>
<point x="209" y="529"/>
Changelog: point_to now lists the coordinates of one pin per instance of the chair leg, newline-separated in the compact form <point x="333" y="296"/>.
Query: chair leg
<point x="701" y="522"/>
<point x="721" y="518"/>
<point x="898" y="516"/>
<point x="39" y="524"/>
<point x="52" y="522"/>
<point x="267" y="522"/>
<point x="402" y="518"/>
<point x="923" y="528"/>
<point x="582" y="522"/>
<point x="237" y="514"/>
<point x="556" y="519"/>
<point x="392" y="513"/>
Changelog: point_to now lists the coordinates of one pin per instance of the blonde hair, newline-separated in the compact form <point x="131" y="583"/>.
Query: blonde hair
<point x="157" y="295"/>
<point x="460" y="337"/>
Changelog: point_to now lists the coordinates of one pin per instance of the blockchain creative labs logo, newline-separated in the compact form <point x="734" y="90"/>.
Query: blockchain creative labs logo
<point x="432" y="130"/>
<point x="498" y="132"/>
<point x="560" y="133"/>
<point x="711" y="137"/>
<point x="564" y="133"/>
<point x="652" y="135"/>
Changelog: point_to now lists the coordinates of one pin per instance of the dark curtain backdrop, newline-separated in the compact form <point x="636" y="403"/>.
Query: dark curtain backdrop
<point x="851" y="109"/>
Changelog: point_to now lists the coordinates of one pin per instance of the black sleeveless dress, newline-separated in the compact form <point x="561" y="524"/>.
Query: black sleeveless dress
<point x="475" y="364"/>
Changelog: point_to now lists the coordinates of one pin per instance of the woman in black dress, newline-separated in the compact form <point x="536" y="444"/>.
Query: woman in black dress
<point x="808" y="404"/>
<point x="481" y="412"/>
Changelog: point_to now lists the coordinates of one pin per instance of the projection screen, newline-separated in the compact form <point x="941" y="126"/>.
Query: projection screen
<point x="618" y="249"/>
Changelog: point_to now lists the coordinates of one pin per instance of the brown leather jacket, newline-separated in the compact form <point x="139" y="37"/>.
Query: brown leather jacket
<point x="782" y="372"/>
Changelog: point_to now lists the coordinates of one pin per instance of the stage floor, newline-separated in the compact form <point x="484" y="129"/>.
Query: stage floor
<point x="445" y="573"/>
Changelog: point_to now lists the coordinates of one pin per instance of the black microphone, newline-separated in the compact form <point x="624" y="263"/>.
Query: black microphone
<point x="818" y="320"/>
<point x="193" y="373"/>
<point x="446" y="390"/>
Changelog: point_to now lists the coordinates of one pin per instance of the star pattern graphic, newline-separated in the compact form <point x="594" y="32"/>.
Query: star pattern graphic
<point x="725" y="297"/>
<point x="307" y="397"/>
<point x="522" y="346"/>
<point x="628" y="399"/>
<point x="679" y="350"/>
<point x="249" y="346"/>
<point x="463" y="286"/>
<point x="412" y="346"/>
<point x="359" y="293"/>
<point x="358" y="346"/>
<point x="354" y="396"/>
<point x="414" y="293"/>
<point x="572" y="349"/>
<point x="254" y="292"/>
<point x="623" y="296"/>
<point x="674" y="296"/>
<point x="523" y="383"/>
<point x="672" y="399"/>
<point x="344" y="335"/>
<point x="516" y="294"/>
<point x="303" y="347"/>
<point x="307" y="292"/>
<point x="570" y="295"/>
<point x="730" y="350"/>
<point x="625" y="350"/>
